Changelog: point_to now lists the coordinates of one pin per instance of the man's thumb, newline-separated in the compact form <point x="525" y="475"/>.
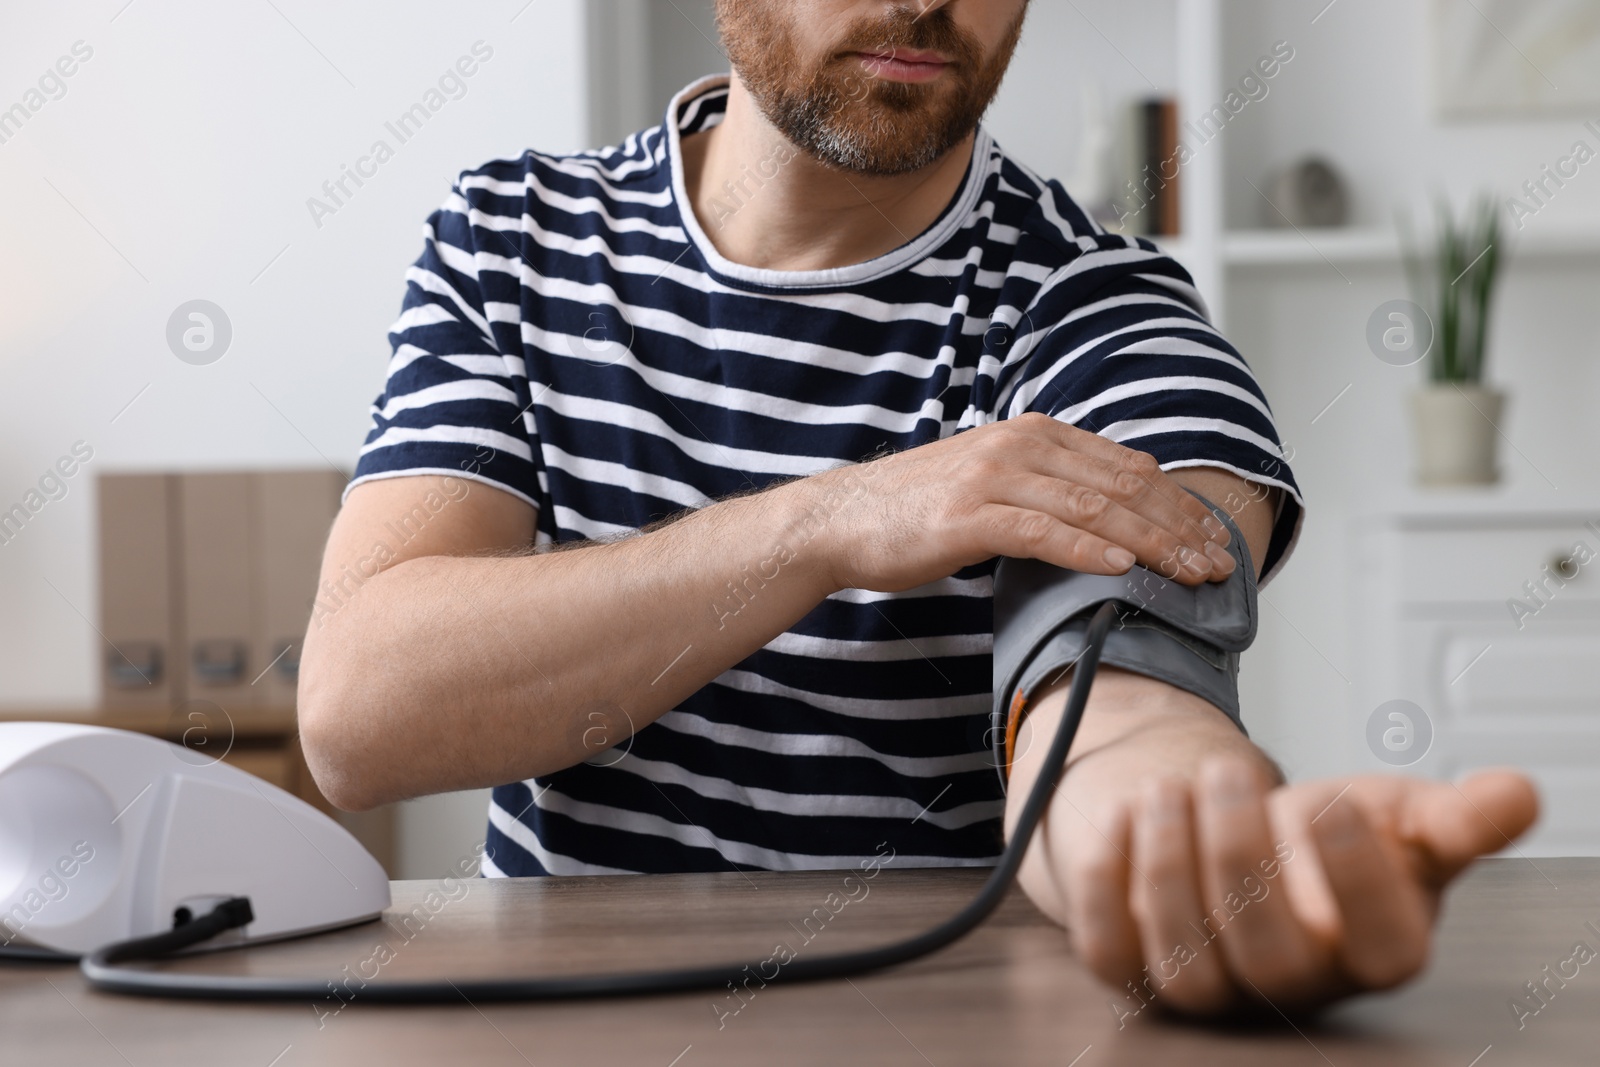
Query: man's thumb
<point x="1459" y="821"/>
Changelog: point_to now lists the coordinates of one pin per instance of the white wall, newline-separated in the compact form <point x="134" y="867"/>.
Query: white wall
<point x="620" y="95"/>
<point x="684" y="45"/>
<point x="190" y="142"/>
<point x="641" y="52"/>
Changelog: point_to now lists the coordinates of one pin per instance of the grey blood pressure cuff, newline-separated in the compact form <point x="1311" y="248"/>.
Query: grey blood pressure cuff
<point x="1187" y="636"/>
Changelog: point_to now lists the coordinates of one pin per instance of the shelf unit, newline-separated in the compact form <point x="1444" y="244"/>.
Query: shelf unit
<point x="1362" y="246"/>
<point x="1207" y="248"/>
<point x="1211" y="251"/>
<point x="1198" y="25"/>
<point x="1346" y="245"/>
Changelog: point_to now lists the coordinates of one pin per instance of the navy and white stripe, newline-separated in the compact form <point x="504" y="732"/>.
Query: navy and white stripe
<point x="570" y="336"/>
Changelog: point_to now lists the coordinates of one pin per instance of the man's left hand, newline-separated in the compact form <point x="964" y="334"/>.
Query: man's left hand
<point x="1213" y="892"/>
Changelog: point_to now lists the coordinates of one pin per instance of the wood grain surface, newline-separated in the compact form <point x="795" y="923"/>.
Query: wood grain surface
<point x="1011" y="993"/>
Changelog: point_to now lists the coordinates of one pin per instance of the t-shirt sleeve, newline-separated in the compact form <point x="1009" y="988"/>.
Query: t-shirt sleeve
<point x="454" y="402"/>
<point x="1118" y="342"/>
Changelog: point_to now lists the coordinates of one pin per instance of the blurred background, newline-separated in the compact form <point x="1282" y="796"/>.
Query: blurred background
<point x="1437" y="614"/>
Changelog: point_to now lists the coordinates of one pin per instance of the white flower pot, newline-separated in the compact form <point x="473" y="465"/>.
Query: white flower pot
<point x="1455" y="427"/>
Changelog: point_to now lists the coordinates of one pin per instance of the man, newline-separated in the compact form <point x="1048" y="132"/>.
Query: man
<point x="680" y="509"/>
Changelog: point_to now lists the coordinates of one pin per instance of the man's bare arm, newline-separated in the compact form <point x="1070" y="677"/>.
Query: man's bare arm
<point x="468" y="661"/>
<point x="1192" y="878"/>
<point x="458" y="665"/>
<point x="1135" y="727"/>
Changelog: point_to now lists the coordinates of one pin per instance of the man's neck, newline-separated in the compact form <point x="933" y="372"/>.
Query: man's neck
<point x="764" y="203"/>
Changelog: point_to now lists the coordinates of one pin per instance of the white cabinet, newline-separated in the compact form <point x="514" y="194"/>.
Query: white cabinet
<point x="1436" y="626"/>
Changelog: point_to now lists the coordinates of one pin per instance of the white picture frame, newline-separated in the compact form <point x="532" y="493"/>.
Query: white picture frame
<point x="1515" y="58"/>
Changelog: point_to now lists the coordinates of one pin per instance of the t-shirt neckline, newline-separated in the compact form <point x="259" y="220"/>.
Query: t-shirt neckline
<point x="947" y="224"/>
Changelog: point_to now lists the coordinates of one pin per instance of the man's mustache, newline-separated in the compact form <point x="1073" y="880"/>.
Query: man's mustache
<point x="937" y="32"/>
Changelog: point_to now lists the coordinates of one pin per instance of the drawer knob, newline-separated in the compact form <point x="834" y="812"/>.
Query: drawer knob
<point x="1564" y="566"/>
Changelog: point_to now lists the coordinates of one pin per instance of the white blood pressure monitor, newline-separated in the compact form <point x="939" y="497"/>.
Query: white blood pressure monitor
<point x="107" y="835"/>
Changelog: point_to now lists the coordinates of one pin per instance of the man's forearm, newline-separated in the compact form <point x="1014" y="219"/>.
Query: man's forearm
<point x="1134" y="729"/>
<point x="459" y="672"/>
<point x="454" y="669"/>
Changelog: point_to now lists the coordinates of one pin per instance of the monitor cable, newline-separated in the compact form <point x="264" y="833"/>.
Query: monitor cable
<point x="108" y="969"/>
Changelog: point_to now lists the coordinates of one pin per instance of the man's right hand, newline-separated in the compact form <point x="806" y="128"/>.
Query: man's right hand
<point x="1030" y="487"/>
<point x="456" y="615"/>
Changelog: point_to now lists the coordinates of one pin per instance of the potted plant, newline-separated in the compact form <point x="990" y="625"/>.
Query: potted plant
<point x="1455" y="417"/>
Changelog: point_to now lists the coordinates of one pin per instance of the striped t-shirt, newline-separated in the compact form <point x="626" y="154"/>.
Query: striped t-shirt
<point x="569" y="335"/>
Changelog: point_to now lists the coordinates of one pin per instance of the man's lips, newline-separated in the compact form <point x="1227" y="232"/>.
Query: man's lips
<point x="904" y="64"/>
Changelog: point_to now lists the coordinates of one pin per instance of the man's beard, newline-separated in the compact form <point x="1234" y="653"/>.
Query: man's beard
<point x="842" y="115"/>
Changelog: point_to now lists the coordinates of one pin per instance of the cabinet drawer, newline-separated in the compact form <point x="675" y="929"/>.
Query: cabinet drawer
<point x="1491" y="565"/>
<point x="1489" y="676"/>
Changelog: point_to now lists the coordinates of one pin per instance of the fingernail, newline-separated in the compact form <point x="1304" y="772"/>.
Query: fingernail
<point x="1217" y="530"/>
<point x="1119" y="558"/>
<point x="1195" y="563"/>
<point x="1219" y="556"/>
<point x="1228" y="782"/>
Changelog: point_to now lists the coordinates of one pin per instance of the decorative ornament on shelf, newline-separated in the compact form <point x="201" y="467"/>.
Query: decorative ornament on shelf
<point x="1455" y="416"/>
<point x="1310" y="193"/>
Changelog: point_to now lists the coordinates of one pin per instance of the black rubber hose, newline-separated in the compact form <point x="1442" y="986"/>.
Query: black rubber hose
<point x="104" y="968"/>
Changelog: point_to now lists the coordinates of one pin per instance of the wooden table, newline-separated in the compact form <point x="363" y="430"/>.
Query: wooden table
<point x="1009" y="994"/>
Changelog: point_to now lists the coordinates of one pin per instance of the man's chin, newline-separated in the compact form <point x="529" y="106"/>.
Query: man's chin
<point x="877" y="161"/>
<point x="882" y="156"/>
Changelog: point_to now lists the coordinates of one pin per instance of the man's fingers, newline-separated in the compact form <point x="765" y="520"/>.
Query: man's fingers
<point x="1265" y="946"/>
<point x="1025" y="534"/>
<point x="1102" y="927"/>
<point x="1385" y="919"/>
<point x="1188" y="973"/>
<point x="1126" y="472"/>
<point x="1125" y="522"/>
<point x="1457" y="823"/>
